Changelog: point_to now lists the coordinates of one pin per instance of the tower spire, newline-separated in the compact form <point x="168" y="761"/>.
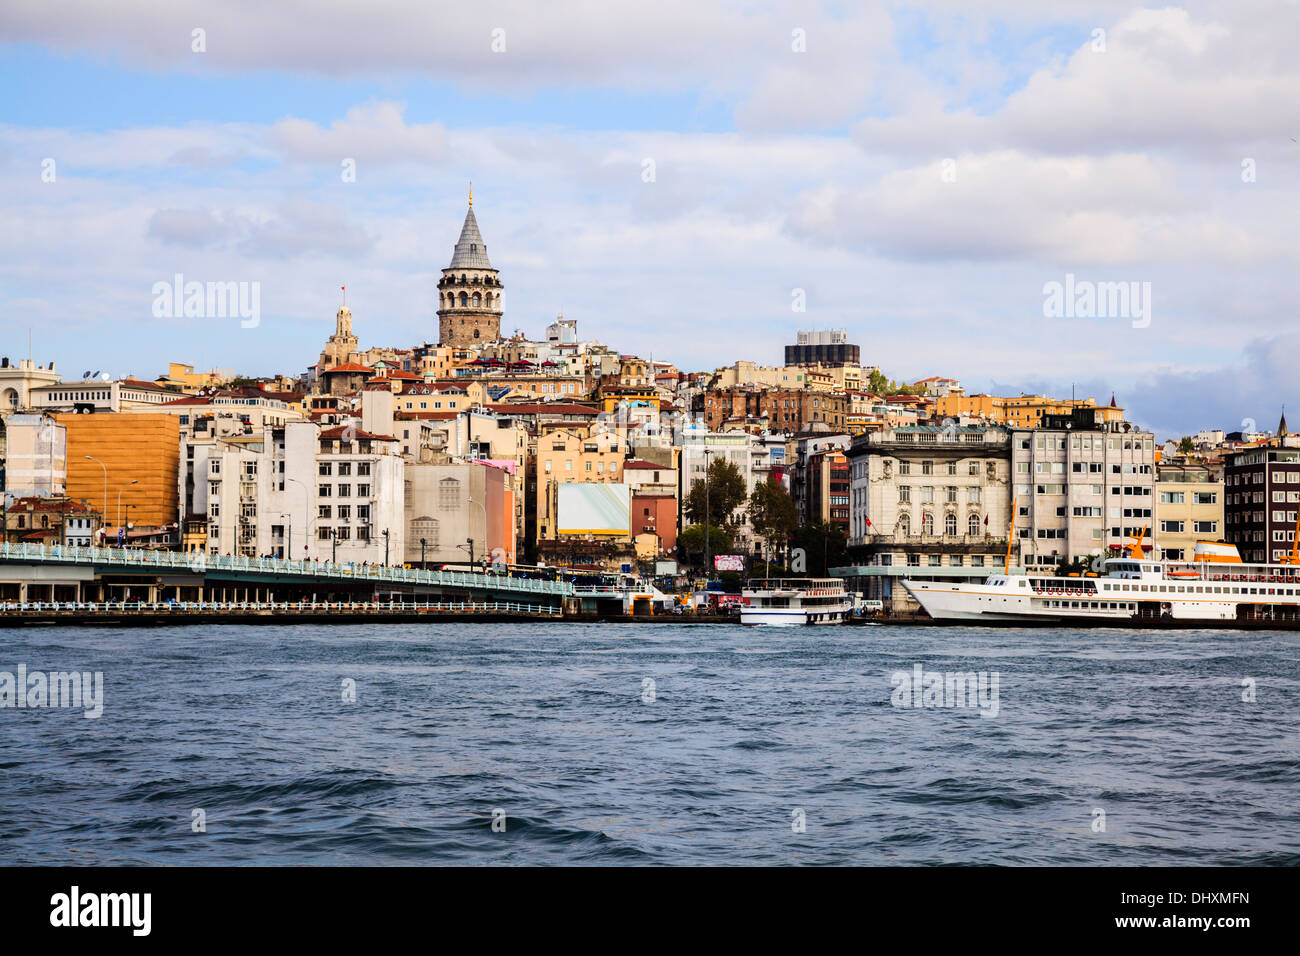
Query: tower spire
<point x="471" y="192"/>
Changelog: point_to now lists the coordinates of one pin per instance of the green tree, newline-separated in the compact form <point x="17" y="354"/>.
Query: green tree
<point x="772" y="514"/>
<point x="1186" y="446"/>
<point x="825" y="545"/>
<point x="726" y="492"/>
<point x="690" y="543"/>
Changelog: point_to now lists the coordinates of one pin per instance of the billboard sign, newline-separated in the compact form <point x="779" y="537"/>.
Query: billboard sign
<point x="729" y="562"/>
<point x="589" y="508"/>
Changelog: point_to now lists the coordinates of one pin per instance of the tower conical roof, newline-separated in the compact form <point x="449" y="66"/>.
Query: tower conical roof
<point x="471" y="250"/>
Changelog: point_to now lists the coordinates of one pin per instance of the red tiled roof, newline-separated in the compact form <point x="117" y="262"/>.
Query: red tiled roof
<point x="347" y="367"/>
<point x="641" y="463"/>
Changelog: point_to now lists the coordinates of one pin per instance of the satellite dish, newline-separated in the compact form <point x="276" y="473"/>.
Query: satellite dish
<point x="86" y="374"/>
<point x="105" y="376"/>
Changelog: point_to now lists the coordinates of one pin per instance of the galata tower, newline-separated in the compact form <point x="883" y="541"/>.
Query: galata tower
<point x="469" y="292"/>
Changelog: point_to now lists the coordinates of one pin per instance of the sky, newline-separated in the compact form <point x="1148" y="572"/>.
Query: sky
<point x="691" y="180"/>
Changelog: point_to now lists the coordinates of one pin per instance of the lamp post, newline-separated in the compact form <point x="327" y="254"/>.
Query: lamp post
<point x="134" y="481"/>
<point x="334" y="545"/>
<point x="105" y="467"/>
<point x="288" y="547"/>
<point x="707" y="516"/>
<point x="306" y="515"/>
<point x="422" y="554"/>
<point x="485" y="533"/>
<point x="385" y="547"/>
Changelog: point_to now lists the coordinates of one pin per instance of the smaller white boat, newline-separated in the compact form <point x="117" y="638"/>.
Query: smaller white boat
<point x="795" y="601"/>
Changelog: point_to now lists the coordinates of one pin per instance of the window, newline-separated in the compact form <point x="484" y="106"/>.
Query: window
<point x="325" y="468"/>
<point x="927" y="523"/>
<point x="973" y="525"/>
<point x="363" y="468"/>
<point x="324" y="511"/>
<point x="345" y="468"/>
<point x="323" y="491"/>
<point x="363" y="491"/>
<point x="950" y="525"/>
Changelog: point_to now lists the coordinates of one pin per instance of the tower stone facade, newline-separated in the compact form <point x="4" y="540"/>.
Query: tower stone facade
<point x="340" y="345"/>
<point x="469" y="292"/>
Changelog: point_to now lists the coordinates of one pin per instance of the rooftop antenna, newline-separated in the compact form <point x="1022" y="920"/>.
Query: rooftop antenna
<point x="344" y="290"/>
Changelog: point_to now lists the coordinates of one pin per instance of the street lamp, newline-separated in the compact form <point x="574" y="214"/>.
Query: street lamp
<point x="288" y="548"/>
<point x="334" y="543"/>
<point x="421" y="554"/>
<point x="707" y="517"/>
<point x="133" y="481"/>
<point x="385" y="547"/>
<point x="306" y="516"/>
<point x="105" y="467"/>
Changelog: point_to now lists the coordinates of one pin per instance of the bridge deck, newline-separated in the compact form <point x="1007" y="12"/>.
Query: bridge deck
<point x="271" y="570"/>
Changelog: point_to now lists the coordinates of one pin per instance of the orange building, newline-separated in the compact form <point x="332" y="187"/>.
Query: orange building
<point x="138" y="453"/>
<point x="1020" y="411"/>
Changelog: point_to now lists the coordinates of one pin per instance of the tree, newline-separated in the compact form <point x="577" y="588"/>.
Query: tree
<point x="772" y="513"/>
<point x="1186" y="446"/>
<point x="726" y="492"/>
<point x="690" y="543"/>
<point x="825" y="546"/>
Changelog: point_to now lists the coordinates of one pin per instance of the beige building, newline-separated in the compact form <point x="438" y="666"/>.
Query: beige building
<point x="787" y="376"/>
<point x="34" y="453"/>
<point x="1189" y="508"/>
<point x="17" y="382"/>
<point x="450" y="505"/>
<point x="928" y="503"/>
<point x="1082" y="490"/>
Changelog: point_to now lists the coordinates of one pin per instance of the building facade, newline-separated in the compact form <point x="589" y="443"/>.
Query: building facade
<point x="927" y="502"/>
<point x="1189" y="508"/>
<point x="1082" y="488"/>
<point x="1262" y="486"/>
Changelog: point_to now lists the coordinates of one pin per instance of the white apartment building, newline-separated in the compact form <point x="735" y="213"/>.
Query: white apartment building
<point x="699" y="448"/>
<point x="97" y="395"/>
<point x="299" y="491"/>
<point x="1081" y="490"/>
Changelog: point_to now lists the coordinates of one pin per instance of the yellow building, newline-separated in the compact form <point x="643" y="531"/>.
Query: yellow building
<point x="1021" y="411"/>
<point x="567" y="455"/>
<point x="182" y="376"/>
<point x="134" y="453"/>
<point x="1188" y="508"/>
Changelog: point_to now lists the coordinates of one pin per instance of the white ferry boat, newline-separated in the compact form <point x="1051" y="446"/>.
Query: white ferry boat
<point x="795" y="601"/>
<point x="1215" y="586"/>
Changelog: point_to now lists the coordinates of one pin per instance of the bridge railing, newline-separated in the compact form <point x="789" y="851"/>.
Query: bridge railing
<point x="198" y="562"/>
<point x="359" y="607"/>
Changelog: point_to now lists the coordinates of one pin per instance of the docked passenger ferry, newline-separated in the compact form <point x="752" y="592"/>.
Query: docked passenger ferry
<point x="1214" y="587"/>
<point x="795" y="601"/>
